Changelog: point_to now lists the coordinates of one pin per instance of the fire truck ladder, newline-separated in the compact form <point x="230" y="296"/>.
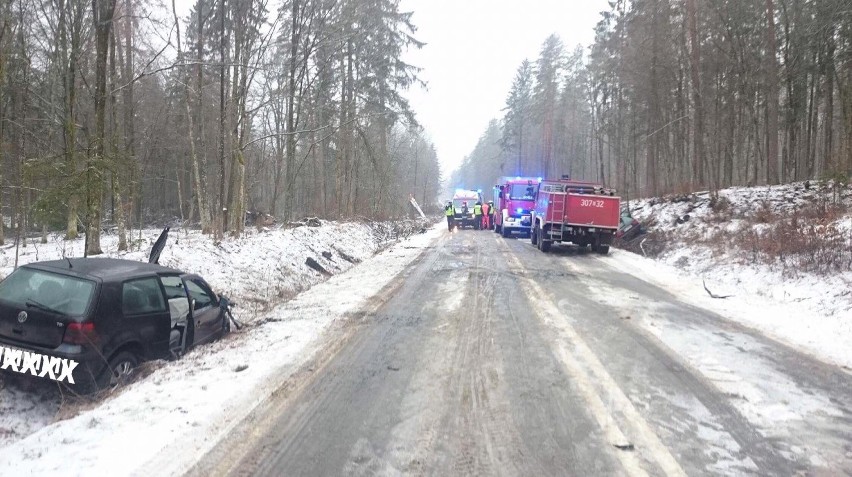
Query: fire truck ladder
<point x="559" y="211"/>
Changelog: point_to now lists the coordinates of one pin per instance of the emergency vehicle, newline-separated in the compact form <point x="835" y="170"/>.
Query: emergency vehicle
<point x="463" y="202"/>
<point x="584" y="213"/>
<point x="514" y="200"/>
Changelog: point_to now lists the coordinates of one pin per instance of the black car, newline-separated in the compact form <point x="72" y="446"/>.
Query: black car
<point x="89" y="322"/>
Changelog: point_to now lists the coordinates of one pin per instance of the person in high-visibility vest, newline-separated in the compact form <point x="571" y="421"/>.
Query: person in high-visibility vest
<point x="477" y="215"/>
<point x="486" y="213"/>
<point x="491" y="213"/>
<point x="450" y="213"/>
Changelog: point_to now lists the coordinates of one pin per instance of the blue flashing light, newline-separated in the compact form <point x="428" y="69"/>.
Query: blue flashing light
<point x="539" y="179"/>
<point x="479" y="190"/>
<point x="520" y="210"/>
<point x="518" y="178"/>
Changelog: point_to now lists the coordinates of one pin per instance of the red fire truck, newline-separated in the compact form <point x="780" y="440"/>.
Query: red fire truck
<point x="514" y="199"/>
<point x="584" y="213"/>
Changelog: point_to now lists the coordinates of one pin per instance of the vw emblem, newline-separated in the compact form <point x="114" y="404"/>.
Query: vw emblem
<point x="22" y="317"/>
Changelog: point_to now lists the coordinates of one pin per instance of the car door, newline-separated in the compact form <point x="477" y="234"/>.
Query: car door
<point x="204" y="306"/>
<point x="145" y="315"/>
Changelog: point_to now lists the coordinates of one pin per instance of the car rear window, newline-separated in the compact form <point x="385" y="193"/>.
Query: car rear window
<point x="63" y="294"/>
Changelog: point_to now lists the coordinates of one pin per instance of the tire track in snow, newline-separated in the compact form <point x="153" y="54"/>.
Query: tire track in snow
<point x="603" y="396"/>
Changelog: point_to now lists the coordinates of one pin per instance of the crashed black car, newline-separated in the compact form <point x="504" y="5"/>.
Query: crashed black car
<point x="88" y="322"/>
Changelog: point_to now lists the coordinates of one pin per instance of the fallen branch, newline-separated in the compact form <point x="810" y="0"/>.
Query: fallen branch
<point x="711" y="293"/>
<point x="316" y="266"/>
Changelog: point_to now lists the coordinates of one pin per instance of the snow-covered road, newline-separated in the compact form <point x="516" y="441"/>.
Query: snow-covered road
<point x="493" y="358"/>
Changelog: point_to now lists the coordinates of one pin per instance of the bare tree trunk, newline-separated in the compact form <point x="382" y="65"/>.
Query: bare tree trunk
<point x="698" y="109"/>
<point x="102" y="17"/>
<point x="290" y="155"/>
<point x="5" y="11"/>
<point x="279" y="157"/>
<point x="200" y="165"/>
<point x="70" y="133"/>
<point x="118" y="205"/>
<point x="200" y="190"/>
<point x="829" y="75"/>
<point x="220" y="213"/>
<point x="771" y="96"/>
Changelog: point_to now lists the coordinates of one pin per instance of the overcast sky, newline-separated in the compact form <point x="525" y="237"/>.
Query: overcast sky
<point x="473" y="49"/>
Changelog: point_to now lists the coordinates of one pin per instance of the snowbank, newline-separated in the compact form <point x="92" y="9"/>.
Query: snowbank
<point x="742" y="245"/>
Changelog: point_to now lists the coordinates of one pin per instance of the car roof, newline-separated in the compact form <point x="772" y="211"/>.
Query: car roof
<point x="105" y="269"/>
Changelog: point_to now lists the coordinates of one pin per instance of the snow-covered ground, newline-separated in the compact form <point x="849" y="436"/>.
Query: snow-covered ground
<point x="181" y="408"/>
<point x="782" y="253"/>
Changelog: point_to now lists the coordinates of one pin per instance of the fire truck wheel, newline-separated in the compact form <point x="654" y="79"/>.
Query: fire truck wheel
<point x="543" y="245"/>
<point x="497" y="228"/>
<point x="603" y="249"/>
<point x="534" y="235"/>
<point x="505" y="232"/>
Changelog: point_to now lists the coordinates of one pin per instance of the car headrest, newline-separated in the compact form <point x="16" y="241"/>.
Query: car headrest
<point x="133" y="299"/>
<point x="155" y="300"/>
<point x="50" y="290"/>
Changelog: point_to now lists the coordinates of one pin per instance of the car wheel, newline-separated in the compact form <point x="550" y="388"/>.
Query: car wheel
<point x="121" y="368"/>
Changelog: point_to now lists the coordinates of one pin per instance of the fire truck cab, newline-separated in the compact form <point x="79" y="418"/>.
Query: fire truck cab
<point x="514" y="200"/>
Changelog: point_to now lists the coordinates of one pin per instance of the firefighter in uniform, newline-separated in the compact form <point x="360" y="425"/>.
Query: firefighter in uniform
<point x="486" y="213"/>
<point x="477" y="215"/>
<point x="450" y="213"/>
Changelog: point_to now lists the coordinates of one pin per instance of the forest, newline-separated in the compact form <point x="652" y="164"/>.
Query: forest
<point x="120" y="114"/>
<point x="676" y="96"/>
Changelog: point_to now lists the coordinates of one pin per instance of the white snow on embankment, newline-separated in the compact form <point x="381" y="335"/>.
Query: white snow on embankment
<point x="178" y="412"/>
<point x="782" y="253"/>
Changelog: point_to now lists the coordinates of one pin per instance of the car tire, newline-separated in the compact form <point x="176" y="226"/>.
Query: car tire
<point x="120" y="369"/>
